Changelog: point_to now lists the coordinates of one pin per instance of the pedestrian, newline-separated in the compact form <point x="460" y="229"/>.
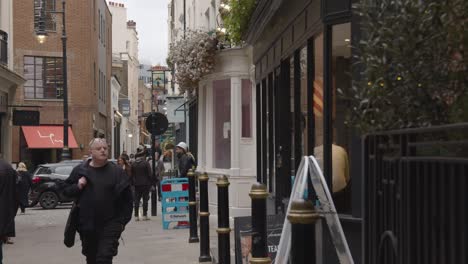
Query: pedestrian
<point x="143" y="181"/>
<point x="24" y="182"/>
<point x="8" y="203"/>
<point x="132" y="158"/>
<point x="159" y="164"/>
<point x="185" y="161"/>
<point x="103" y="196"/>
<point x="123" y="163"/>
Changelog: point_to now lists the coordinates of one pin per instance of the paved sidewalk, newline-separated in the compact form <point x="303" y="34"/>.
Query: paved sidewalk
<point x="40" y="235"/>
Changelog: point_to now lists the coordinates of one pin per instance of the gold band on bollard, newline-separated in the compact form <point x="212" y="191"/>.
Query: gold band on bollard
<point x="190" y="173"/>
<point x="204" y="213"/>
<point x="258" y="191"/>
<point x="192" y="203"/>
<point x="203" y="177"/>
<point x="222" y="181"/>
<point x="265" y="260"/>
<point x="302" y="212"/>
<point x="223" y="230"/>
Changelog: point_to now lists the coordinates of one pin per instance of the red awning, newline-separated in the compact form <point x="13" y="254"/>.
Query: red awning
<point x="47" y="137"/>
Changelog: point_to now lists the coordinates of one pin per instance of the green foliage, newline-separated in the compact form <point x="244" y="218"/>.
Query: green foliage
<point x="236" y="21"/>
<point x="412" y="63"/>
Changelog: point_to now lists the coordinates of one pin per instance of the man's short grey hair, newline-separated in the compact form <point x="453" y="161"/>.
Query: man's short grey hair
<point x="96" y="140"/>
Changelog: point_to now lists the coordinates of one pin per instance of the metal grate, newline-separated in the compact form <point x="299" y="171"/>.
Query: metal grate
<point x="415" y="196"/>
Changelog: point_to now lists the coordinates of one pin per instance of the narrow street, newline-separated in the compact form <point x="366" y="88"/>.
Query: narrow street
<point x="40" y="235"/>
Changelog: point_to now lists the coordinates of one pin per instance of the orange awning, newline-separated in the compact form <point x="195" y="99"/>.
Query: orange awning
<point x="47" y="137"/>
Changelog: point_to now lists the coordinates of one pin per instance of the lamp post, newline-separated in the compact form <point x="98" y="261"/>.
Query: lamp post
<point x="158" y="74"/>
<point x="41" y="35"/>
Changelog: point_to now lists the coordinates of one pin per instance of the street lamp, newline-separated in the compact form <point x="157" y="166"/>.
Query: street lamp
<point x="158" y="74"/>
<point x="41" y="35"/>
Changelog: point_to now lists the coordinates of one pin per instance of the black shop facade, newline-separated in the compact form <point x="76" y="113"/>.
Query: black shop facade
<point x="302" y="55"/>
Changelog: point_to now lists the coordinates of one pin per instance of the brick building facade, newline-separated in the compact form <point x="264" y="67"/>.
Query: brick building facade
<point x="89" y="54"/>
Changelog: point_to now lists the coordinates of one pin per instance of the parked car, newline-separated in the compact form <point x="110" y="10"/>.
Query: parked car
<point x="48" y="183"/>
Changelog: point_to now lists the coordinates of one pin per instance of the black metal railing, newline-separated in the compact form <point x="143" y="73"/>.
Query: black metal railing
<point x="3" y="47"/>
<point x="415" y="185"/>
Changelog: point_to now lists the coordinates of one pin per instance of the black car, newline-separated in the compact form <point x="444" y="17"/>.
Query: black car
<point x="48" y="182"/>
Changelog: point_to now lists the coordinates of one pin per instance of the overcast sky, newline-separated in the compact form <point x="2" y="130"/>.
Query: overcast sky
<point x="151" y="19"/>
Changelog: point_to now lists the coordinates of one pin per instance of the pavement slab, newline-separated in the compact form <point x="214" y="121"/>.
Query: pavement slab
<point x="39" y="240"/>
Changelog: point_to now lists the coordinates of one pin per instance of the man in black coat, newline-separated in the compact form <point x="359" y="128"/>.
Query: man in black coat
<point x="143" y="180"/>
<point x="102" y="191"/>
<point x="8" y="203"/>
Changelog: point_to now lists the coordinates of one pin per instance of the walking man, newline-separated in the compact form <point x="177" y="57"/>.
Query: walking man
<point x="102" y="192"/>
<point x="8" y="203"/>
<point x="143" y="181"/>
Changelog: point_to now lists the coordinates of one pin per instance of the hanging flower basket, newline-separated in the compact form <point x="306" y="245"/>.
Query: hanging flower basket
<point x="193" y="58"/>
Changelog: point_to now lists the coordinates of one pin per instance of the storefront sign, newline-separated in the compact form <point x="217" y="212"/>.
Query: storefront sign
<point x="25" y="118"/>
<point x="124" y="106"/>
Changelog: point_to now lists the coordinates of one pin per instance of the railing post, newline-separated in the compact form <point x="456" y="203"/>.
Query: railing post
<point x="302" y="217"/>
<point x="192" y="208"/>
<point x="204" y="220"/>
<point x="224" y="251"/>
<point x="258" y="194"/>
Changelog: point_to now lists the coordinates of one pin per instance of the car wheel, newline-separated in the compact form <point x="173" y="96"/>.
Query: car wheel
<point x="48" y="200"/>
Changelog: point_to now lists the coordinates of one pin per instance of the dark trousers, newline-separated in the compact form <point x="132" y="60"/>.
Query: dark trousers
<point x="142" y="192"/>
<point x="101" y="246"/>
<point x="159" y="190"/>
<point x="1" y="251"/>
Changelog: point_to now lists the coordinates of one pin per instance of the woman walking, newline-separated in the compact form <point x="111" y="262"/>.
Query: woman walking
<point x="23" y="185"/>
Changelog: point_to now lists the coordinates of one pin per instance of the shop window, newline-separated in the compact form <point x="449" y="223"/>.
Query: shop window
<point x="246" y="108"/>
<point x="44" y="79"/>
<point x="341" y="80"/>
<point x="292" y="116"/>
<point x="303" y="100"/>
<point x="318" y="89"/>
<point x="222" y="124"/>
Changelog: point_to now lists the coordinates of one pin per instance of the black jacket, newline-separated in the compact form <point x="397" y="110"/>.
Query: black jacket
<point x="142" y="173"/>
<point x="86" y="198"/>
<point x="23" y="187"/>
<point x="8" y="202"/>
<point x="185" y="164"/>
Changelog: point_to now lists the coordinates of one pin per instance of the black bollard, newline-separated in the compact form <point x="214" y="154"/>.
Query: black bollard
<point x="192" y="208"/>
<point x="154" y="205"/>
<point x="258" y="194"/>
<point x="204" y="220"/>
<point x="224" y="251"/>
<point x="302" y="217"/>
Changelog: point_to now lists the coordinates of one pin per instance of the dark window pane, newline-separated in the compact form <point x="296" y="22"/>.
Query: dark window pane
<point x="45" y="76"/>
<point x="49" y="21"/>
<point x="246" y="108"/>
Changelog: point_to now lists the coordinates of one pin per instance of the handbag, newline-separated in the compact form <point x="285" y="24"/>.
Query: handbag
<point x="72" y="226"/>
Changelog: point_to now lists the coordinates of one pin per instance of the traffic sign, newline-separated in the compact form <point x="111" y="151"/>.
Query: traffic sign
<point x="160" y="123"/>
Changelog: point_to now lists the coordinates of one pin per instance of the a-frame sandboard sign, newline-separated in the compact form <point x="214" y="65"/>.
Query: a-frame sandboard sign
<point x="324" y="206"/>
